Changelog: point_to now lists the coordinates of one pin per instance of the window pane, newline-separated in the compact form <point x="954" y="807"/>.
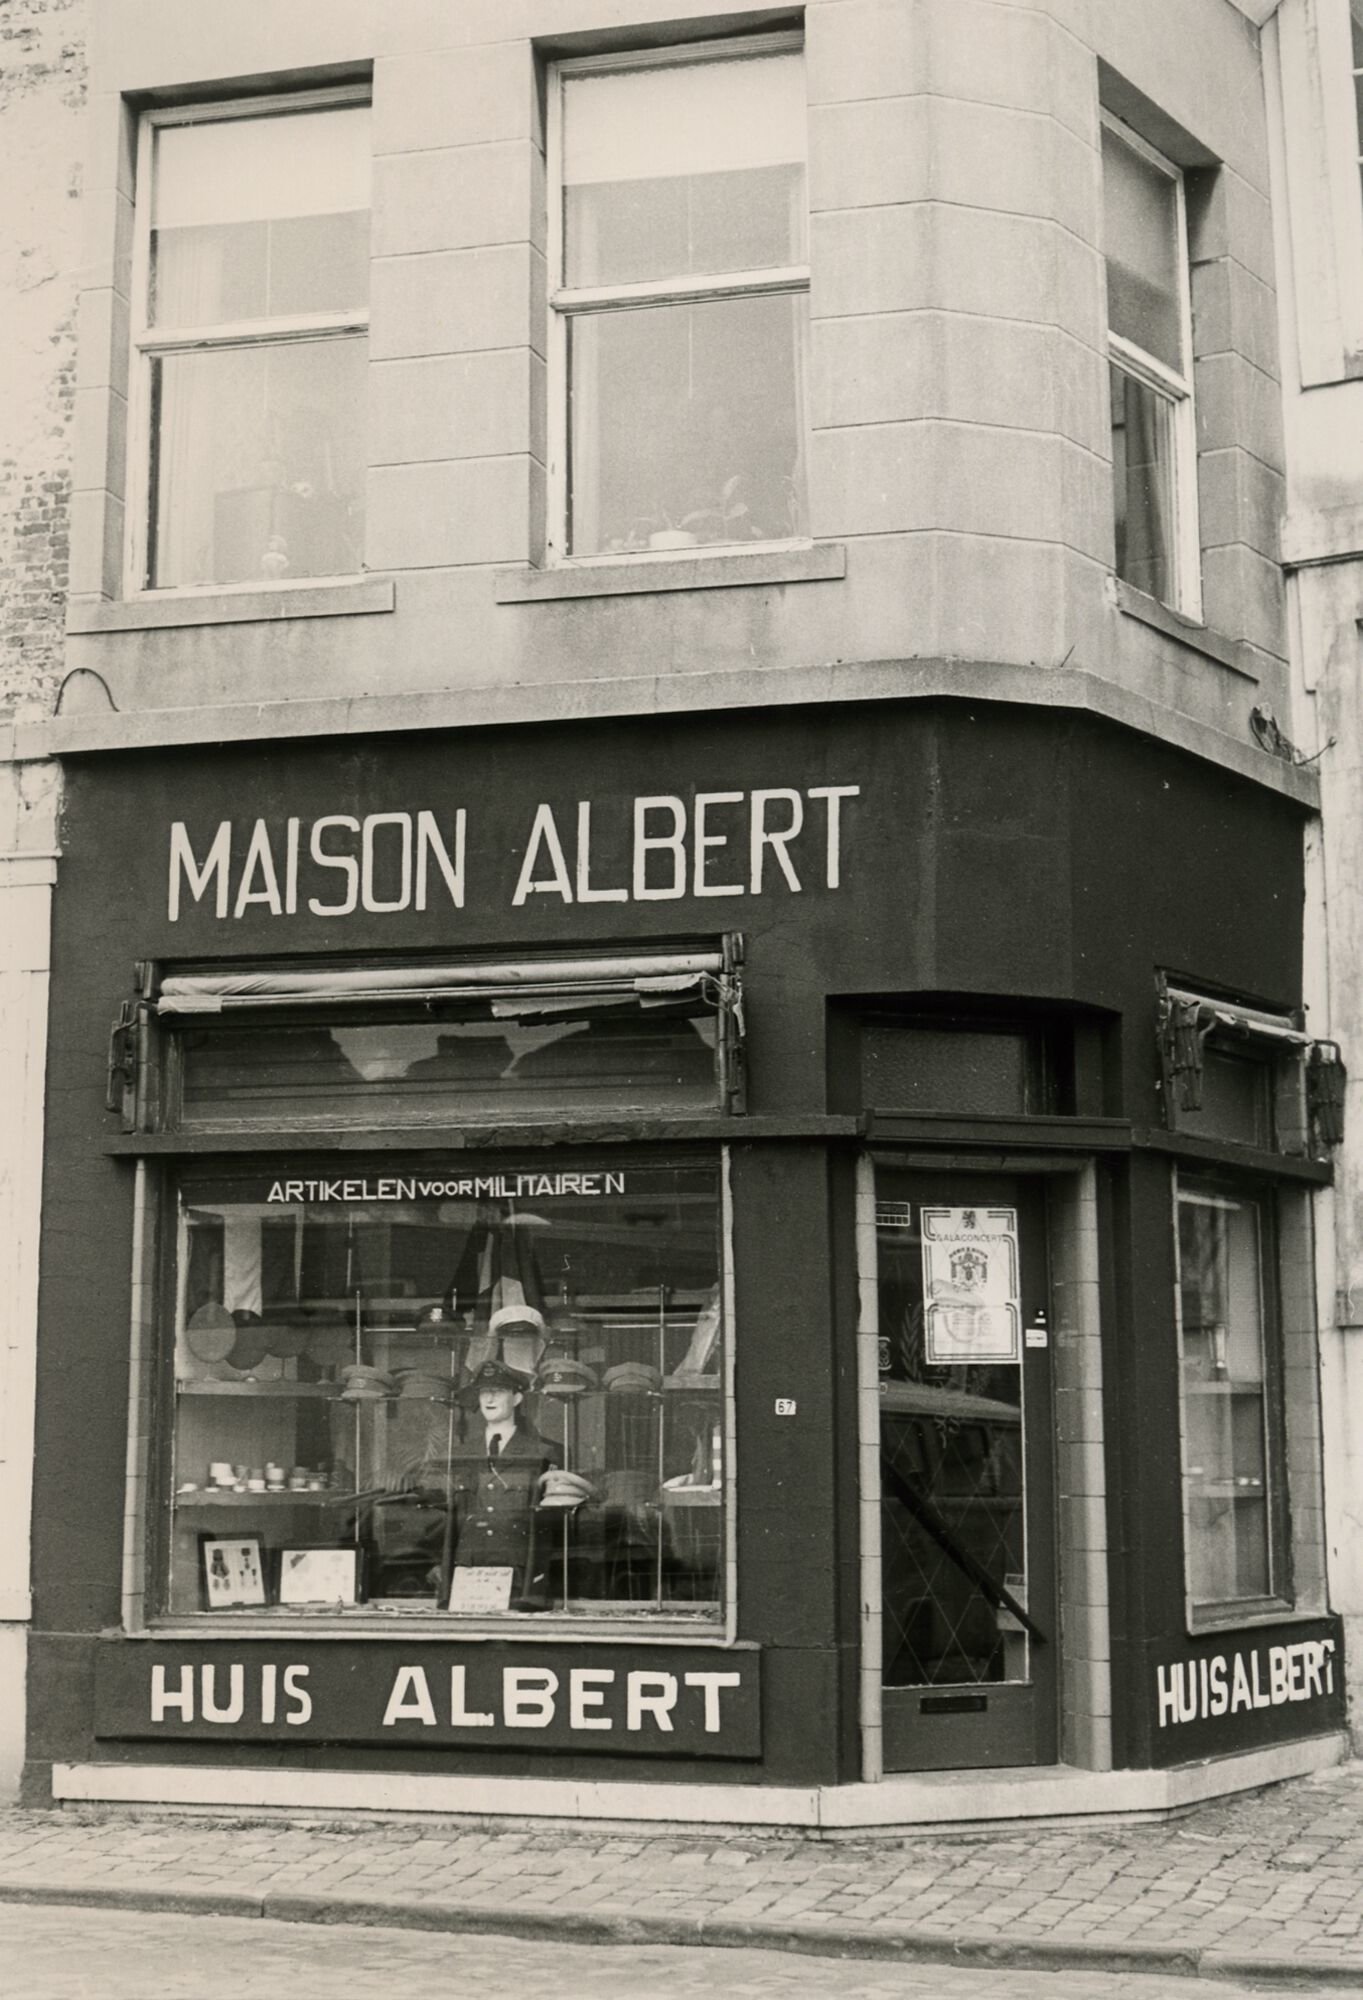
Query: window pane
<point x="1235" y="1099"/>
<point x="686" y="425"/>
<point x="444" y="1071"/>
<point x="257" y="216"/>
<point x="684" y="170"/>
<point x="259" y="459"/>
<point x="1142" y="242"/>
<point x="1227" y="1474"/>
<point x="969" y="1070"/>
<point x="683" y="227"/>
<point x="1143" y="485"/>
<point x="320" y="1400"/>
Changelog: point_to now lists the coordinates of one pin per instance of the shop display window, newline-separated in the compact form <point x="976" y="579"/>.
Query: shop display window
<point x="433" y="1390"/>
<point x="1234" y="1453"/>
<point x="1244" y="1076"/>
<point x="996" y="1069"/>
<point x="440" y="1044"/>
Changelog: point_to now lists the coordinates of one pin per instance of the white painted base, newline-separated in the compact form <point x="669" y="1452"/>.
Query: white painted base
<point x="13" y="1704"/>
<point x="940" y="1799"/>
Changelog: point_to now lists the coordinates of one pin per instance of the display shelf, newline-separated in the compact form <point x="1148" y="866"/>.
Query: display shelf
<point x="1225" y="1489"/>
<point x="700" y="1385"/>
<point x="690" y="1496"/>
<point x="207" y="1496"/>
<point x="1224" y="1388"/>
<point x="322" y="1391"/>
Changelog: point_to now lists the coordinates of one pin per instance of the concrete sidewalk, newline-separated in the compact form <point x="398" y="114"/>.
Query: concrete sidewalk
<point x="1268" y="1886"/>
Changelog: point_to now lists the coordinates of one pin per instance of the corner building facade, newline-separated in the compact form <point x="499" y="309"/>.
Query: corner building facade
<point x="681" y="1128"/>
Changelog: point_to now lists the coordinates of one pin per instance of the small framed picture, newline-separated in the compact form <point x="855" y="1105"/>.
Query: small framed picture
<point x="232" y="1568"/>
<point x="319" y="1576"/>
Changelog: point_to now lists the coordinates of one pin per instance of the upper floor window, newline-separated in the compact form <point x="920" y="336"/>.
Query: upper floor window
<point x="679" y="289"/>
<point x="1154" y="445"/>
<point x="251" y="292"/>
<point x="1356" y="22"/>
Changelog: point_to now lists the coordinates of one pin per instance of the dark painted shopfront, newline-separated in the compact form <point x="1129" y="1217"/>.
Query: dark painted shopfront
<point x="767" y="1250"/>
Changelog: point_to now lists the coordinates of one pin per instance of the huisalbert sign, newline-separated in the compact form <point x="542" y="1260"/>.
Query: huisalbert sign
<point x="650" y="1701"/>
<point x="1244" y="1678"/>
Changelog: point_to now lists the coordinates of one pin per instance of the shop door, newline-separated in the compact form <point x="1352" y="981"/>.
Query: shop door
<point x="970" y="1631"/>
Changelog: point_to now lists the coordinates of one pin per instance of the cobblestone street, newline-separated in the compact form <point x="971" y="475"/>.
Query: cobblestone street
<point x="48" y="1954"/>
<point x="1264" y="1886"/>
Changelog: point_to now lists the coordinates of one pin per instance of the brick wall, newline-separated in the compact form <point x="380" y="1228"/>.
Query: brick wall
<point x="42" y="95"/>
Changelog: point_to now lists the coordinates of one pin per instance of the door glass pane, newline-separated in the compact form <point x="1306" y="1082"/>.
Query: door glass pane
<point x="685" y="425"/>
<point x="259" y="462"/>
<point x="953" y="1544"/>
<point x="1225" y="1430"/>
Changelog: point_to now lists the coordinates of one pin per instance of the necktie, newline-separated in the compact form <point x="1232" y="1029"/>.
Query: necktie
<point x="494" y="1447"/>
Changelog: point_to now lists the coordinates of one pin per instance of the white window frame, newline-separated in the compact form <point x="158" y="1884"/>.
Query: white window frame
<point x="564" y="301"/>
<point x="1357" y="72"/>
<point x="1174" y="386"/>
<point x="148" y="344"/>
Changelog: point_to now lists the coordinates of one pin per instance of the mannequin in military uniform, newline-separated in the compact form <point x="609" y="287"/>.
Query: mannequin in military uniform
<point x="487" y="1486"/>
<point x="497" y="1479"/>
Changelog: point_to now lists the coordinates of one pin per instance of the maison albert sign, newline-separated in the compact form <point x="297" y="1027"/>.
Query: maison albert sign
<point x="658" y="847"/>
<point x="652" y="1701"/>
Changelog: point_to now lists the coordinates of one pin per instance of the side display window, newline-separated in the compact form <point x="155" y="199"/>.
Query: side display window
<point x="436" y="1393"/>
<point x="1234" y="1446"/>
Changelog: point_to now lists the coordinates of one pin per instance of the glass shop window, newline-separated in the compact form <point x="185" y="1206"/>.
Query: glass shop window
<point x="451" y="1044"/>
<point x="1246" y="1077"/>
<point x="971" y="1068"/>
<point x="1154" y="442"/>
<point x="432" y="1391"/>
<point x="250" y="343"/>
<point x="679" y="298"/>
<point x="1234" y="1449"/>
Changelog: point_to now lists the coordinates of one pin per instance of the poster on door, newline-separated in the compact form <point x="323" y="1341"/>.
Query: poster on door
<point x="972" y="1312"/>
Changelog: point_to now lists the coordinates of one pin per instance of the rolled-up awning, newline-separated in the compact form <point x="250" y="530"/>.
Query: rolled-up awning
<point x="556" y="980"/>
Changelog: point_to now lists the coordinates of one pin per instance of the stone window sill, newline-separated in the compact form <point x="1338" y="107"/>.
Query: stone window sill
<point x="1188" y="631"/>
<point x="163" y="610"/>
<point x="624" y="576"/>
